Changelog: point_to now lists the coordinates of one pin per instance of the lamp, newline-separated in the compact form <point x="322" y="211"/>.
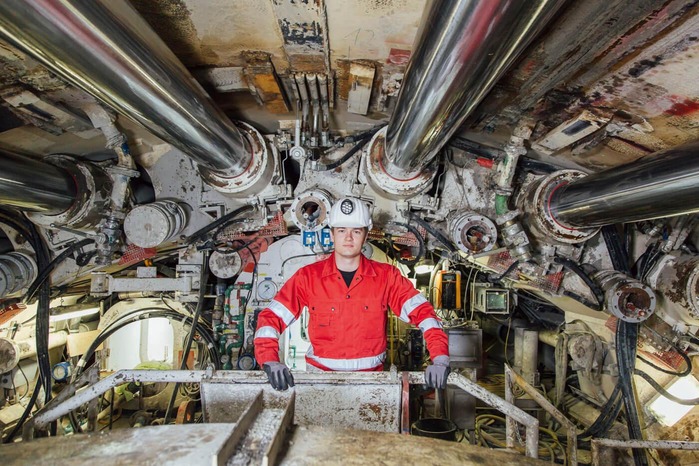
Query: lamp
<point x="424" y="266"/>
<point x="668" y="412"/>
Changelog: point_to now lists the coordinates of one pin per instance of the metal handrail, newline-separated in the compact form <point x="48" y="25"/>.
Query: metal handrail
<point x="513" y="378"/>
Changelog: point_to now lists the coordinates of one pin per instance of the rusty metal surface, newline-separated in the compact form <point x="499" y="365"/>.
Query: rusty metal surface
<point x="513" y="378"/>
<point x="511" y="412"/>
<point x="599" y="443"/>
<point x="160" y="445"/>
<point x="314" y="445"/>
<point x="353" y="400"/>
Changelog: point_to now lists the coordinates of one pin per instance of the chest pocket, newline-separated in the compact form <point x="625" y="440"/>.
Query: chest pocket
<point x="322" y="321"/>
<point x="368" y="320"/>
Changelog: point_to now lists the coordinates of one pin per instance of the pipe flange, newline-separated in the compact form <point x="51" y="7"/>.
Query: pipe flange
<point x="310" y="210"/>
<point x="537" y="203"/>
<point x="17" y="271"/>
<point x="677" y="281"/>
<point x="626" y="298"/>
<point x="225" y="265"/>
<point x="150" y="225"/>
<point x="473" y="233"/>
<point x="9" y="355"/>
<point x="92" y="199"/>
<point x="256" y="175"/>
<point x="373" y="160"/>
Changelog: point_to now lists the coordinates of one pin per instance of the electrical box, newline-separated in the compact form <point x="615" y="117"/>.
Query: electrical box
<point x="489" y="300"/>
<point x="309" y="238"/>
<point x="448" y="286"/>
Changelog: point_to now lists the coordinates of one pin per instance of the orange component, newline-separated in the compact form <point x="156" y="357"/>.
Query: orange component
<point x="186" y="411"/>
<point x="8" y="312"/>
<point x="448" y="286"/>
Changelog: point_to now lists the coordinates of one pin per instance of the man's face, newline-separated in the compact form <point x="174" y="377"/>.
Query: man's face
<point x="348" y="241"/>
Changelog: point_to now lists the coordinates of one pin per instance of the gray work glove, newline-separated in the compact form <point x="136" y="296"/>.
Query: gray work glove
<point x="278" y="374"/>
<point x="437" y="373"/>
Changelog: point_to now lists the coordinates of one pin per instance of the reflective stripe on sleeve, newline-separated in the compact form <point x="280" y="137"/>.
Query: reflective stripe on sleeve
<point x="282" y="312"/>
<point x="428" y="324"/>
<point x="356" y="364"/>
<point x="267" y="332"/>
<point x="410" y="305"/>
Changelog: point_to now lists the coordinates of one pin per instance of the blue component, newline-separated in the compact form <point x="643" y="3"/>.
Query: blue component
<point x="325" y="239"/>
<point x="309" y="239"/>
<point x="61" y="371"/>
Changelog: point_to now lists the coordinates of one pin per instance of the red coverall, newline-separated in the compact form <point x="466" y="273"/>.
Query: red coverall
<point x="347" y="325"/>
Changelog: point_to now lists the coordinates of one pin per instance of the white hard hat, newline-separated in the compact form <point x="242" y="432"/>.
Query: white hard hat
<point x="350" y="212"/>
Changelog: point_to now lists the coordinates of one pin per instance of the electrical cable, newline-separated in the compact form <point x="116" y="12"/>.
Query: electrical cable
<point x="577" y="270"/>
<point x="626" y="344"/>
<point x="608" y="413"/>
<point x="615" y="245"/>
<point x="29" y="231"/>
<point x="203" y="279"/>
<point x="665" y="393"/>
<point x="226" y="250"/>
<point x="420" y="242"/>
<point x="437" y="234"/>
<point x="144" y="314"/>
<point x="362" y="140"/>
<point x="684" y="373"/>
<point x="216" y="223"/>
<point x="46" y="272"/>
<point x="509" y="270"/>
<point x="25" y="414"/>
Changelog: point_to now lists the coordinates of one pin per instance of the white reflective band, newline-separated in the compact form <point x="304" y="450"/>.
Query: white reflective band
<point x="428" y="324"/>
<point x="267" y="332"/>
<point x="410" y="305"/>
<point x="357" y="364"/>
<point x="282" y="312"/>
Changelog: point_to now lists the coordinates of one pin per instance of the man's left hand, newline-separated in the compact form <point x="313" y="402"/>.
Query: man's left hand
<point x="436" y="374"/>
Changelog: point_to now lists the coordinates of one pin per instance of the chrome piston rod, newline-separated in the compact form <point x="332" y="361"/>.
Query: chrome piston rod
<point x="34" y="186"/>
<point x="662" y="184"/>
<point x="462" y="49"/>
<point x="107" y="49"/>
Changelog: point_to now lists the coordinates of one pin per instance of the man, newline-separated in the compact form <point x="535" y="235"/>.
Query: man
<point x="348" y="296"/>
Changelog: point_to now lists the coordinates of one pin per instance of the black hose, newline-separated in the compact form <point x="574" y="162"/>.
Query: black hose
<point x="144" y="314"/>
<point x="216" y="223"/>
<point x="25" y="414"/>
<point x="499" y="278"/>
<point x="665" y="393"/>
<point x="362" y="140"/>
<point x="29" y="231"/>
<point x="615" y="245"/>
<point x="436" y="233"/>
<point x="608" y="414"/>
<point x="420" y="242"/>
<point x="683" y="355"/>
<point x="577" y="270"/>
<point x="203" y="278"/>
<point x="626" y="344"/>
<point x="45" y="272"/>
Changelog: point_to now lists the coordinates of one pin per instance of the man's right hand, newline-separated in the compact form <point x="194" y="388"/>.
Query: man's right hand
<point x="278" y="374"/>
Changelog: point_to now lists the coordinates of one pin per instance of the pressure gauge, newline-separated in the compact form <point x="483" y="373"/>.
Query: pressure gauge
<point x="266" y="289"/>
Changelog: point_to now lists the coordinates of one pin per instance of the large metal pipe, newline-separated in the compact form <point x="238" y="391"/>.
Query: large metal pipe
<point x="462" y="49"/>
<point x="33" y="185"/>
<point x="107" y="49"/>
<point x="661" y="184"/>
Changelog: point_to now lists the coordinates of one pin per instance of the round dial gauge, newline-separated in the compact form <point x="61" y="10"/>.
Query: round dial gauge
<point x="266" y="289"/>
